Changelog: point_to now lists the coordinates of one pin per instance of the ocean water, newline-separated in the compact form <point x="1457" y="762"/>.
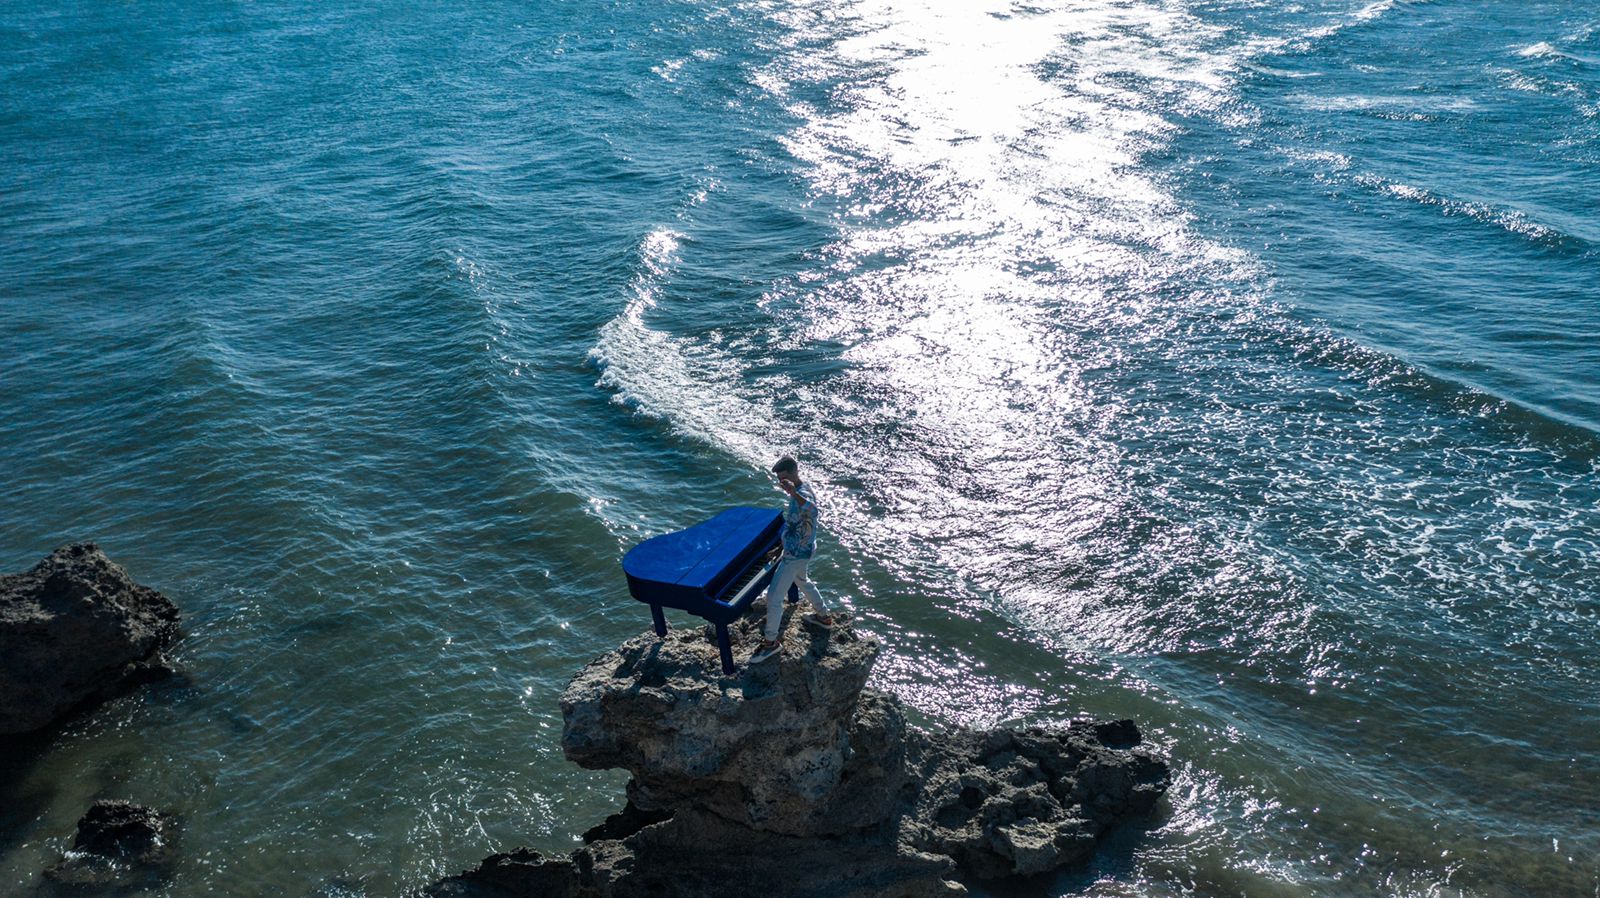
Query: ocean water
<point x="1231" y="366"/>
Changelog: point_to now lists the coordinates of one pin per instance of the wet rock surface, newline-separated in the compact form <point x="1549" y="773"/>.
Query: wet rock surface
<point x="792" y="778"/>
<point x="75" y="630"/>
<point x="119" y="846"/>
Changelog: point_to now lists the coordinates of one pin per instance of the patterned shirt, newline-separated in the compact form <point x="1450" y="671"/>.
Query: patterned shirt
<point x="800" y="525"/>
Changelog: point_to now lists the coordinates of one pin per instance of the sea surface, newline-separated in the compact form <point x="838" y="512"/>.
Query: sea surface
<point x="1230" y="365"/>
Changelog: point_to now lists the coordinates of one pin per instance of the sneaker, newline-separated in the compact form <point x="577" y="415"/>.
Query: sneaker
<point x="825" y="621"/>
<point x="766" y="650"/>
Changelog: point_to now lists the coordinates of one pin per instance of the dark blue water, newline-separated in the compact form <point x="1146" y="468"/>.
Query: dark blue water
<point x="1230" y="366"/>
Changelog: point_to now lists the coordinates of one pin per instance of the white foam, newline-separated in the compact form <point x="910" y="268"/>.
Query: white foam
<point x="1373" y="10"/>
<point x="1020" y="135"/>
<point x="1515" y="221"/>
<point x="685" y="382"/>
<point x="1300" y="43"/>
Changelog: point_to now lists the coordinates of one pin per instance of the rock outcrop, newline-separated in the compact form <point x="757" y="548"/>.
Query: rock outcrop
<point x="792" y="778"/>
<point x="768" y="748"/>
<point x="75" y="630"/>
<point x="1008" y="802"/>
<point x="119" y="845"/>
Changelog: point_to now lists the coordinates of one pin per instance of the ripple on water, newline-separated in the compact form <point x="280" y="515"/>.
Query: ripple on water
<point x="375" y="338"/>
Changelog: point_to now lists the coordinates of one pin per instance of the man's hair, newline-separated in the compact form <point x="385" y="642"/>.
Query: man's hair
<point x="785" y="464"/>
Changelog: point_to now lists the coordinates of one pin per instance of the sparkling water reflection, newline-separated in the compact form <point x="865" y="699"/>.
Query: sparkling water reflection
<point x="1134" y="348"/>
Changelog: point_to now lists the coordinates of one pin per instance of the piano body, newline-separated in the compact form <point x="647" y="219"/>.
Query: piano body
<point x="713" y="569"/>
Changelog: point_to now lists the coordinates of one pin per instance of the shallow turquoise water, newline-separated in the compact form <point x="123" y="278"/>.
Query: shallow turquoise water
<point x="1230" y="366"/>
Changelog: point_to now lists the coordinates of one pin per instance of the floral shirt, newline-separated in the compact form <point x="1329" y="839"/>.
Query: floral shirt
<point x="800" y="525"/>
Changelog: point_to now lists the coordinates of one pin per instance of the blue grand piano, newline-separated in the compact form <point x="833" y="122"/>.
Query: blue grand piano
<point x="713" y="569"/>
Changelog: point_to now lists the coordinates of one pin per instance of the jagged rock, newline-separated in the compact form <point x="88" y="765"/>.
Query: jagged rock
<point x="790" y="778"/>
<point x="119" y="844"/>
<point x="1008" y="803"/>
<point x="767" y="747"/>
<point x="696" y="855"/>
<point x="520" y="873"/>
<point x="624" y="823"/>
<point x="74" y="630"/>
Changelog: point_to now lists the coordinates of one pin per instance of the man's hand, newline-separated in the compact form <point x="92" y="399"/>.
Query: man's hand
<point x="793" y="489"/>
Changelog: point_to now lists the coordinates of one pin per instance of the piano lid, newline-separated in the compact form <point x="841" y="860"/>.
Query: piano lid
<point x="693" y="557"/>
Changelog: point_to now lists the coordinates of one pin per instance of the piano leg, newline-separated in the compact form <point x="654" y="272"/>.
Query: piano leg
<point x="727" y="649"/>
<point x="660" y="619"/>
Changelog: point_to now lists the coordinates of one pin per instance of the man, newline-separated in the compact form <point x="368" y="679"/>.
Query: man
<point x="799" y="545"/>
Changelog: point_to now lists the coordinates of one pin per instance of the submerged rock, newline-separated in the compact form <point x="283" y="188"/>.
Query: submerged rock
<point x="119" y="845"/>
<point x="792" y="778"/>
<point x="75" y="630"/>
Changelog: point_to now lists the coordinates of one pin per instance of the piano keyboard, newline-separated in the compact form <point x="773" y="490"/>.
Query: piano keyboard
<point x="751" y="578"/>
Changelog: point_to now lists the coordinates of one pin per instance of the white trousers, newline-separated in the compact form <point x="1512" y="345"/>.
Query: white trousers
<point x="791" y="571"/>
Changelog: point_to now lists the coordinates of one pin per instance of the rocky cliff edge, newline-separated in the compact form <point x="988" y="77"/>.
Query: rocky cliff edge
<point x="792" y="778"/>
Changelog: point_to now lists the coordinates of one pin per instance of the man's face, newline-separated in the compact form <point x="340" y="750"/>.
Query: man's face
<point x="789" y="479"/>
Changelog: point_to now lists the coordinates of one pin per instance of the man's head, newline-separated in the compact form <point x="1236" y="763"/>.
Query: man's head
<point x="788" y="470"/>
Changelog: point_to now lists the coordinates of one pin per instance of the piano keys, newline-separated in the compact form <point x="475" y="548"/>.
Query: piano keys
<point x="714" y="569"/>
